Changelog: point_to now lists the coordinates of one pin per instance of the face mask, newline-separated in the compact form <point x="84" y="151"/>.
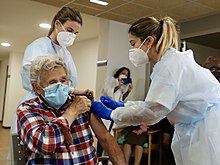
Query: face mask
<point x="65" y="38"/>
<point x="138" y="57"/>
<point x="121" y="76"/>
<point x="56" y="94"/>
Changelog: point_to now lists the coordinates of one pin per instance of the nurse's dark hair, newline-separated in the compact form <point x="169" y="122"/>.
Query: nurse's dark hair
<point x="117" y="73"/>
<point x="65" y="14"/>
<point x="164" y="31"/>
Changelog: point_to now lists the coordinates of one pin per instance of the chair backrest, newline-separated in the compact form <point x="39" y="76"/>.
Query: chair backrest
<point x="18" y="155"/>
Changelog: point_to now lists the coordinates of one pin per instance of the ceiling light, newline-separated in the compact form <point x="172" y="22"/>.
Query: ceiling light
<point x="99" y="2"/>
<point x="5" y="44"/>
<point x="45" y="25"/>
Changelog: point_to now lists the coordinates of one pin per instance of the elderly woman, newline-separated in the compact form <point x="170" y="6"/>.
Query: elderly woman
<point x="55" y="126"/>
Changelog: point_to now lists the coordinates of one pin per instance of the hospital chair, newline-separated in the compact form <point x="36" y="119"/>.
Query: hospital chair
<point x="148" y="147"/>
<point x="17" y="154"/>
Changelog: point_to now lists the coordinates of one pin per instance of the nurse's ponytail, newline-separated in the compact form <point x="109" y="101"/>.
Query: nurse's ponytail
<point x="169" y="36"/>
<point x="163" y="31"/>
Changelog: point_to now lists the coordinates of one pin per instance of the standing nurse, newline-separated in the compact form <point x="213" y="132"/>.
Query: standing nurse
<point x="180" y="89"/>
<point x="65" y="25"/>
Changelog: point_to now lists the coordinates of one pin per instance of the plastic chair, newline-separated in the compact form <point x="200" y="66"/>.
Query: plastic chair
<point x="148" y="147"/>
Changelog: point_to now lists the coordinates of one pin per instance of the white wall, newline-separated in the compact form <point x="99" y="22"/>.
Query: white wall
<point x="3" y="67"/>
<point x="15" y="92"/>
<point x="85" y="54"/>
<point x="102" y="55"/>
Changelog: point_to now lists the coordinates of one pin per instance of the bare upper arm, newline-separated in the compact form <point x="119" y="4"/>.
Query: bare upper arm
<point x="98" y="127"/>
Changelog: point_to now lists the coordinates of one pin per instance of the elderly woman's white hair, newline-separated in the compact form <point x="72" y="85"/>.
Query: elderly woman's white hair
<point x="45" y="63"/>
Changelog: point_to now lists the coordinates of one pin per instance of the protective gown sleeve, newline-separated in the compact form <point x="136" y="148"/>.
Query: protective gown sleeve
<point x="139" y="112"/>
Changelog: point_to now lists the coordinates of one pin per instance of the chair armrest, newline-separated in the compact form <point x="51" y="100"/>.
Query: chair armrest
<point x="118" y="128"/>
<point x="153" y="131"/>
<point x="117" y="131"/>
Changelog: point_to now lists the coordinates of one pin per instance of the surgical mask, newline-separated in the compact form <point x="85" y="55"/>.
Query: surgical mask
<point x="121" y="76"/>
<point x="123" y="87"/>
<point x="138" y="57"/>
<point x="56" y="94"/>
<point x="65" y="38"/>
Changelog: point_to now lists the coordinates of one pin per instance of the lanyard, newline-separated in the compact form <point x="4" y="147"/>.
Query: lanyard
<point x="52" y="44"/>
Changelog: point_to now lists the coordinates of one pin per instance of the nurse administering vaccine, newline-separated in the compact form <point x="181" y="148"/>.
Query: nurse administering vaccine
<point x="180" y="89"/>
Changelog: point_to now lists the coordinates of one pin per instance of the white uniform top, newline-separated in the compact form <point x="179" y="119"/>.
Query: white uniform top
<point x="190" y="95"/>
<point x="41" y="47"/>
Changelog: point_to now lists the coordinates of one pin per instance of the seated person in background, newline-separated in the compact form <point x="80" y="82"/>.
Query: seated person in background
<point x="216" y="72"/>
<point x="55" y="126"/>
<point x="136" y="138"/>
<point x="215" y="69"/>
<point x="119" y="86"/>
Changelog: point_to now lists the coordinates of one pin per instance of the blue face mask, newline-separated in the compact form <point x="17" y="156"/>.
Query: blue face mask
<point x="56" y="94"/>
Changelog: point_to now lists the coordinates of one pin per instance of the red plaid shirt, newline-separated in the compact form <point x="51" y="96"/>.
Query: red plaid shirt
<point x="42" y="130"/>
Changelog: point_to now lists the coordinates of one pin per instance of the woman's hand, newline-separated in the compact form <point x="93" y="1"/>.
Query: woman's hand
<point x="130" y="87"/>
<point x="120" y="83"/>
<point x="81" y="104"/>
<point x="143" y="129"/>
<point x="88" y="93"/>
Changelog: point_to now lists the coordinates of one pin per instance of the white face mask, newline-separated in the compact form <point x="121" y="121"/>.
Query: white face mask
<point x="65" y="38"/>
<point x="121" y="76"/>
<point x="138" y="57"/>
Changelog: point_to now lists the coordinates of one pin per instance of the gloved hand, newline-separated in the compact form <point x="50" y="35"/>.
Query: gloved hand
<point x="99" y="109"/>
<point x="110" y="103"/>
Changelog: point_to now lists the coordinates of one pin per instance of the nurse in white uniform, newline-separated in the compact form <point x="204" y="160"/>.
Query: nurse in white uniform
<point x="180" y="89"/>
<point x="65" y="25"/>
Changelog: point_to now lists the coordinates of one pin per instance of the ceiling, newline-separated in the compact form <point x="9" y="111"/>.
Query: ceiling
<point x="127" y="11"/>
<point x="20" y="18"/>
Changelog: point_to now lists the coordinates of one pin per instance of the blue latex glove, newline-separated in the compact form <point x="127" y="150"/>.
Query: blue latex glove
<point x="110" y="103"/>
<point x="99" y="109"/>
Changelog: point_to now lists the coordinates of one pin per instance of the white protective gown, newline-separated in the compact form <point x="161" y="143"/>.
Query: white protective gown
<point x="190" y="95"/>
<point x="41" y="47"/>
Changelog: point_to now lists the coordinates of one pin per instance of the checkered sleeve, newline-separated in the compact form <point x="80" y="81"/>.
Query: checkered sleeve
<point x="39" y="134"/>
